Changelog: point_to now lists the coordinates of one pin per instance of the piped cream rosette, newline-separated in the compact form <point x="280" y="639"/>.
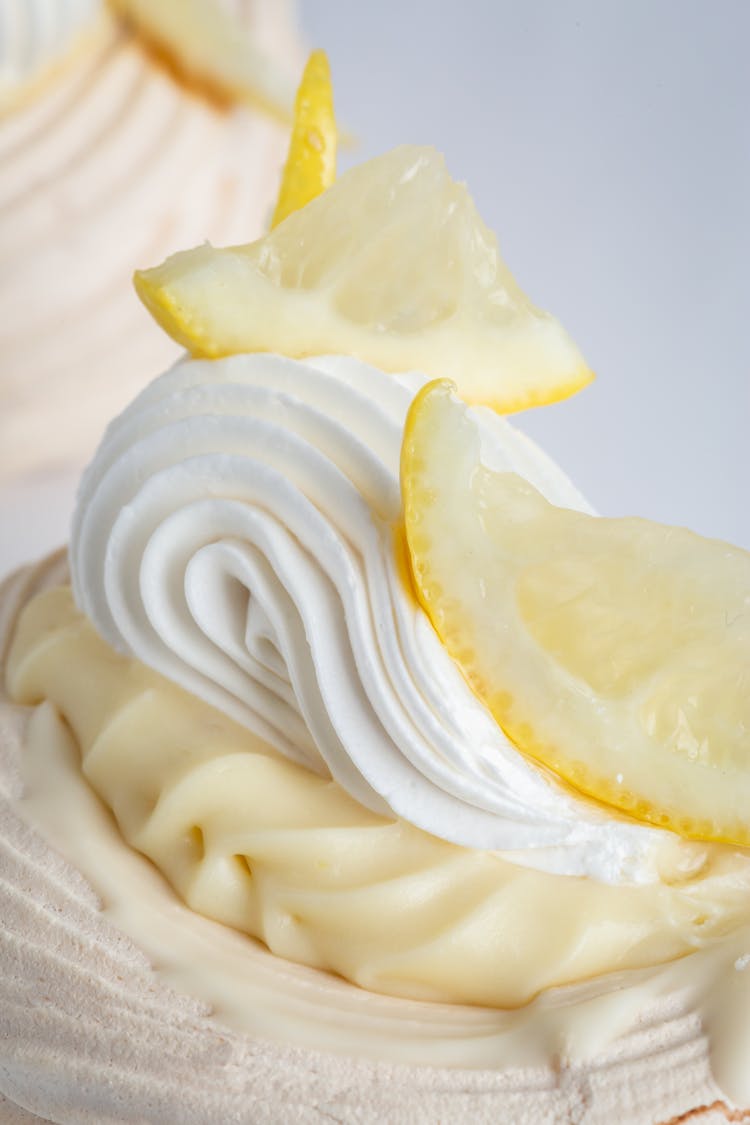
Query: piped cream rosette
<point x="237" y="531"/>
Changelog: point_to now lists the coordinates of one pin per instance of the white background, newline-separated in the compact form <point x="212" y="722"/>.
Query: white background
<point x="608" y="144"/>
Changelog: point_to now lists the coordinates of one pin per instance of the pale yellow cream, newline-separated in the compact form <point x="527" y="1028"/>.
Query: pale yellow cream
<point x="293" y="860"/>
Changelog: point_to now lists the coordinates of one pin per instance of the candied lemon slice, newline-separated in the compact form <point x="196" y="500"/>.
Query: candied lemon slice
<point x="391" y="264"/>
<point x="614" y="651"/>
<point x="206" y="44"/>
<point x="311" y="164"/>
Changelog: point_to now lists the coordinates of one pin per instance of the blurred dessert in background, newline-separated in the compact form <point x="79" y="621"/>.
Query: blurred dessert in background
<point x="118" y="144"/>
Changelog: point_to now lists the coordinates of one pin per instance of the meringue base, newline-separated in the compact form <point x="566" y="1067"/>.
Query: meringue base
<point x="92" y="1033"/>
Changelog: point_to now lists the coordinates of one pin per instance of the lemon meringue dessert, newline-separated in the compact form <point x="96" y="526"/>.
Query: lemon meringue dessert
<point x="352" y="767"/>
<point x="128" y="129"/>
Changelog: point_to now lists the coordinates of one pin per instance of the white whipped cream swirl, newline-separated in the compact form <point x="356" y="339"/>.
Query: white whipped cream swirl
<point x="237" y="532"/>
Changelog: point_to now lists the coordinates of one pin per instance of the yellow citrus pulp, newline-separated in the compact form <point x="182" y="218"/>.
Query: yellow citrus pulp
<point x="616" y="652"/>
<point x="391" y="264"/>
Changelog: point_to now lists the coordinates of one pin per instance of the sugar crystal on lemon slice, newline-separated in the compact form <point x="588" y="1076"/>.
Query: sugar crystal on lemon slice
<point x="392" y="264"/>
<point x="616" y="652"/>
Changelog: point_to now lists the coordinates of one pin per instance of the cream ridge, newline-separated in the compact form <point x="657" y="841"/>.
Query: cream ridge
<point x="36" y="36"/>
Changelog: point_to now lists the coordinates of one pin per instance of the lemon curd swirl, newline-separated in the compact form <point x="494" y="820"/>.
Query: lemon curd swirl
<point x="271" y="717"/>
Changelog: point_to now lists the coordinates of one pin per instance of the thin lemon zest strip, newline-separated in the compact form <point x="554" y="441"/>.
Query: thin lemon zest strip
<point x="311" y="164"/>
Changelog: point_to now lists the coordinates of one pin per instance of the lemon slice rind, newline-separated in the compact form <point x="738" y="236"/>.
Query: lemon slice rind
<point x="392" y="265"/>
<point x="311" y="164"/>
<point x="614" y="652"/>
<point x="209" y="46"/>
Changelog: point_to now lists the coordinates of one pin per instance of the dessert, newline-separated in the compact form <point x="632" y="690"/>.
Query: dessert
<point x="115" y="149"/>
<point x="245" y="668"/>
